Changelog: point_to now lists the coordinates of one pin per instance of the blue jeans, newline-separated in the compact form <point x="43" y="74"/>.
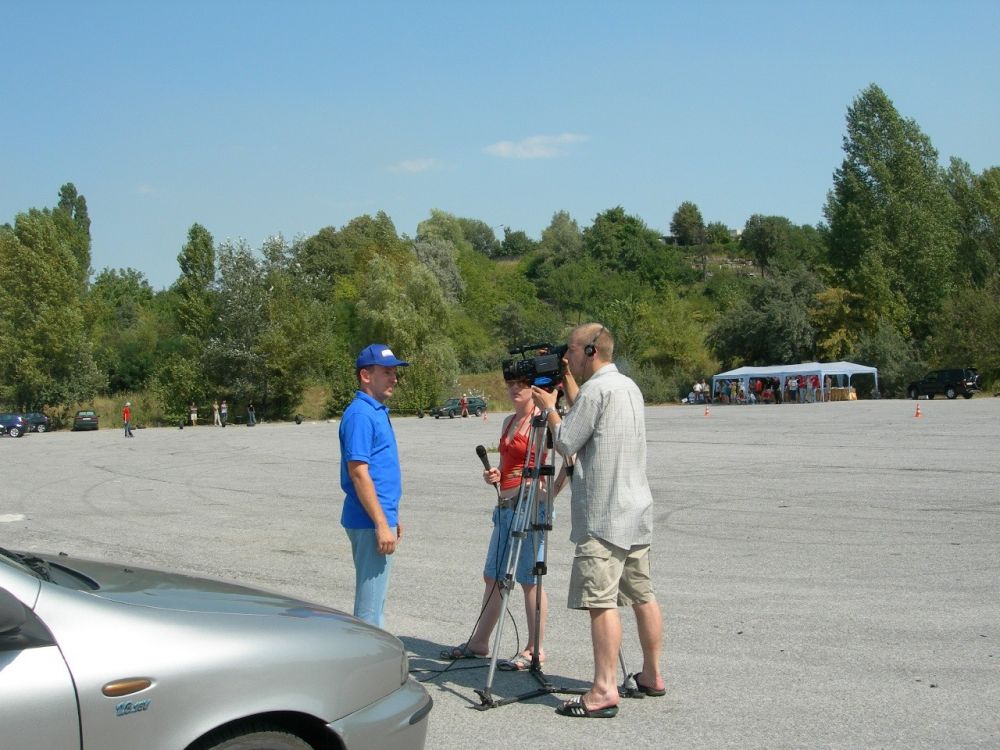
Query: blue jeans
<point x="371" y="576"/>
<point x="501" y="543"/>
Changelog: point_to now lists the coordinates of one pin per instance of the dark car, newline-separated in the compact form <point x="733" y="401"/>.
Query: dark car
<point x="37" y="421"/>
<point x="453" y="407"/>
<point x="85" y="419"/>
<point x="12" y="424"/>
<point x="951" y="383"/>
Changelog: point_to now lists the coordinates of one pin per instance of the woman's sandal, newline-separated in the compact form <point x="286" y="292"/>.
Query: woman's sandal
<point x="461" y="652"/>
<point x="578" y="710"/>
<point x="519" y="663"/>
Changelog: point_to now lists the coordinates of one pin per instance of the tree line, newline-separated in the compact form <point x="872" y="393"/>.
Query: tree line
<point x="903" y="274"/>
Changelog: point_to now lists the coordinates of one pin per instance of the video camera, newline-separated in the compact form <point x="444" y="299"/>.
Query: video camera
<point x="544" y="370"/>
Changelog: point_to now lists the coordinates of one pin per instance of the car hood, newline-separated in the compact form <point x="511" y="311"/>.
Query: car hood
<point x="175" y="591"/>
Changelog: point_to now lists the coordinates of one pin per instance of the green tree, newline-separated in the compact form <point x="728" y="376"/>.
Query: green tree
<point x="975" y="313"/>
<point x="977" y="201"/>
<point x="892" y="236"/>
<point x="177" y="382"/>
<point x="619" y="242"/>
<point x="442" y="225"/>
<point x="124" y="332"/>
<point x="561" y="243"/>
<point x="718" y="233"/>
<point x="763" y="237"/>
<point x="197" y="264"/>
<point x="402" y="305"/>
<point x="771" y="325"/>
<point x="480" y="236"/>
<point x="45" y="356"/>
<point x="687" y="225"/>
<point x="439" y="257"/>
<point x="73" y="222"/>
<point x="232" y="360"/>
<point x="516" y="244"/>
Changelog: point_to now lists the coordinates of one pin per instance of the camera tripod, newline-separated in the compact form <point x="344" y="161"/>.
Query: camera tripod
<point x="533" y="513"/>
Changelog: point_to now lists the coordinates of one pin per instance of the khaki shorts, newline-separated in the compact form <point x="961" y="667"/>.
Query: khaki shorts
<point x="605" y="576"/>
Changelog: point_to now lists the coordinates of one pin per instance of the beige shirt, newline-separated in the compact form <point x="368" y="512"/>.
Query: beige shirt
<point x="606" y="429"/>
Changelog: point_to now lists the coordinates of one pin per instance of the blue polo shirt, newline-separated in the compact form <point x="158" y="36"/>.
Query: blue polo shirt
<point x="366" y="435"/>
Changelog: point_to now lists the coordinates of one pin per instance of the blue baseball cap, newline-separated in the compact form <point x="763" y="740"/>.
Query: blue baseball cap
<point x="378" y="354"/>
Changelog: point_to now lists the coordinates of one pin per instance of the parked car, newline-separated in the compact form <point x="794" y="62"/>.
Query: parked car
<point x="12" y="424"/>
<point x="452" y="407"/>
<point x="37" y="421"/>
<point x="85" y="419"/>
<point x="951" y="383"/>
<point x="98" y="655"/>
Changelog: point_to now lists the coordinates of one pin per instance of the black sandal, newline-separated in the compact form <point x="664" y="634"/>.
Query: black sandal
<point x="578" y="710"/>
<point x="651" y="692"/>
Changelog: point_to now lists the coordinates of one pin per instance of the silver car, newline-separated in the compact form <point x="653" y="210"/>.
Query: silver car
<point x="96" y="655"/>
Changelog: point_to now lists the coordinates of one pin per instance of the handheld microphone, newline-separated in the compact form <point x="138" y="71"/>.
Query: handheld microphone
<point x="481" y="452"/>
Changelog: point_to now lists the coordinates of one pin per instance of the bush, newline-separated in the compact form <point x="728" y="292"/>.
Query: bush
<point x="656" y="386"/>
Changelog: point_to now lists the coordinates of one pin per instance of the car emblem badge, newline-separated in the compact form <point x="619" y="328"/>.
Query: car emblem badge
<point x="128" y="707"/>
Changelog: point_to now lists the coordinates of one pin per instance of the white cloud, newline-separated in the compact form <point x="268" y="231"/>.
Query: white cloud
<point x="412" y="166"/>
<point x="535" y="146"/>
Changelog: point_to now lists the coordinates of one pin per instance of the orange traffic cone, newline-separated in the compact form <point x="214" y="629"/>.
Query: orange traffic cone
<point x="484" y="415"/>
<point x="706" y="411"/>
<point x="917" y="413"/>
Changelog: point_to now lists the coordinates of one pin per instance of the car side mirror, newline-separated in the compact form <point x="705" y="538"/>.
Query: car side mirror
<point x="13" y="614"/>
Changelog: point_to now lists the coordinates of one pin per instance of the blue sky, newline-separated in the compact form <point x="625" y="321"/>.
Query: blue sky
<point x="257" y="118"/>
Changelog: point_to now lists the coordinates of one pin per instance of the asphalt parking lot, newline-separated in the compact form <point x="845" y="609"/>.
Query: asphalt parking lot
<point x="829" y="573"/>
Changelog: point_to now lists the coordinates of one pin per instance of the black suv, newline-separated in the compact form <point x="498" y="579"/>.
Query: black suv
<point x="37" y="421"/>
<point x="950" y="383"/>
<point x="453" y="408"/>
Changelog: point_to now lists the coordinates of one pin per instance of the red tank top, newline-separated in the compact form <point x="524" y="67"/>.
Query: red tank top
<point x="512" y="452"/>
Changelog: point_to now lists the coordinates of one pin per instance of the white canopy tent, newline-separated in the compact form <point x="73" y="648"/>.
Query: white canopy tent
<point x="820" y="369"/>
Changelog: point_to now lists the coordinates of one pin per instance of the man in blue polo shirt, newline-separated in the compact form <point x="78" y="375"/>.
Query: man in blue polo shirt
<point x="370" y="478"/>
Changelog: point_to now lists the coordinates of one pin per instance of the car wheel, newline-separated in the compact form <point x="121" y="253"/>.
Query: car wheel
<point x="41" y="428"/>
<point x="451" y="415"/>
<point x="913" y="394"/>
<point x="15" y="432"/>
<point x="252" y="739"/>
<point x="967" y="395"/>
<point x="930" y="396"/>
<point x="951" y="393"/>
<point x="437" y="416"/>
<point x="479" y="412"/>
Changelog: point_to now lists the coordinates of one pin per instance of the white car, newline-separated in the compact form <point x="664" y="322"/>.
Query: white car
<point x="114" y="657"/>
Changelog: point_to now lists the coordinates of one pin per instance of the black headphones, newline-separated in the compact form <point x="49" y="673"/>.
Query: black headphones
<point x="590" y="349"/>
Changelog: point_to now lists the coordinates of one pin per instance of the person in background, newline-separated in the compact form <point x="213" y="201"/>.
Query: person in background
<point x="224" y="412"/>
<point x="127" y="419"/>
<point x="251" y="415"/>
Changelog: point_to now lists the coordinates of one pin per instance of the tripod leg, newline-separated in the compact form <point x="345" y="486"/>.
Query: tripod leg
<point x="628" y="688"/>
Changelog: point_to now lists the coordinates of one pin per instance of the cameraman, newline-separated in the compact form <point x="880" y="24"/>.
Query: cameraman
<point x="514" y="447"/>
<point x="611" y="513"/>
